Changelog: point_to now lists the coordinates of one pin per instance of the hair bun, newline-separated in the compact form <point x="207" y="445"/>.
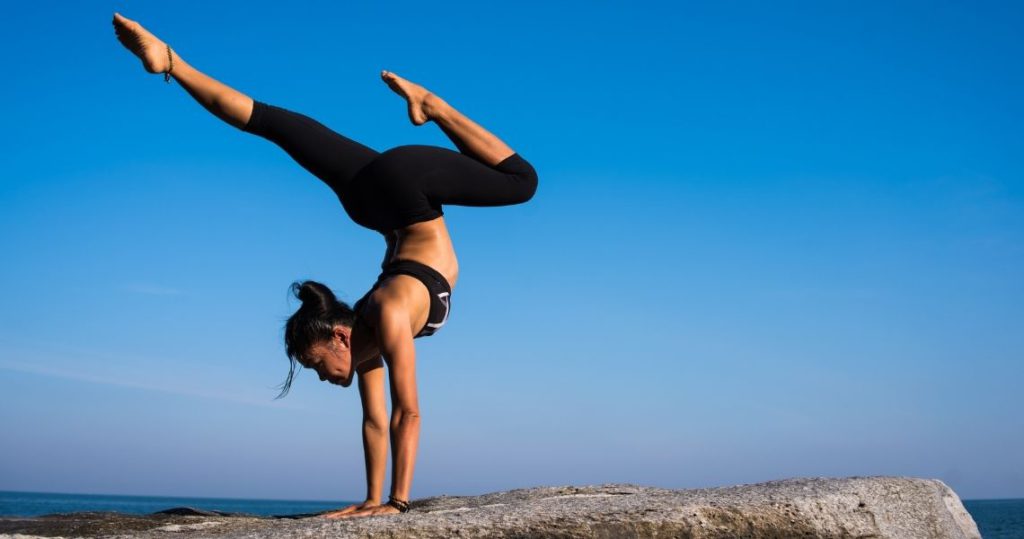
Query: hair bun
<point x="314" y="295"/>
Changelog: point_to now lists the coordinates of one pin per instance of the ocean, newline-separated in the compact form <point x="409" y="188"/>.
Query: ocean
<point x="996" y="519"/>
<point x="43" y="503"/>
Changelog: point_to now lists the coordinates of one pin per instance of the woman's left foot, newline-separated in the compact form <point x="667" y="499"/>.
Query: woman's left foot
<point x="142" y="44"/>
<point x="423" y="105"/>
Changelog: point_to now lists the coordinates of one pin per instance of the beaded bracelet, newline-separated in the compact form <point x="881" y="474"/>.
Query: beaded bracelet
<point x="167" y="74"/>
<point x="401" y="505"/>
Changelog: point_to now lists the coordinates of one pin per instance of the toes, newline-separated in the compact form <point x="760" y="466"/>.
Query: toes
<point x="127" y="24"/>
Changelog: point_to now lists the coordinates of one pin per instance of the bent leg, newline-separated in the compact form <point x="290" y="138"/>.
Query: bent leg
<point x="458" y="179"/>
<point x="471" y="138"/>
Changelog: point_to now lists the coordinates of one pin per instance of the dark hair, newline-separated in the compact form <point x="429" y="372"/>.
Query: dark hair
<point x="313" y="322"/>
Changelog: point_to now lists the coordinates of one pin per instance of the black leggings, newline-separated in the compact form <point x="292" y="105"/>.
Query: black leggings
<point x="401" y="186"/>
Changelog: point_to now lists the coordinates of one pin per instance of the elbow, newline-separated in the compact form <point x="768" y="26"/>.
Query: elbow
<point x="403" y="416"/>
<point x="376" y="425"/>
<point x="407" y="413"/>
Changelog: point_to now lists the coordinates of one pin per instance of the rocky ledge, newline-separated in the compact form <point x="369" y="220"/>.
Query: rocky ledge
<point x="876" y="507"/>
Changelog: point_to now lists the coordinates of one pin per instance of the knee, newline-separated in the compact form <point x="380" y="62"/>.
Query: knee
<point x="527" y="183"/>
<point x="522" y="178"/>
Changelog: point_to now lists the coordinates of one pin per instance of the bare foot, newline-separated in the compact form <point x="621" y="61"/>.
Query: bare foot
<point x="141" y="43"/>
<point x="423" y="105"/>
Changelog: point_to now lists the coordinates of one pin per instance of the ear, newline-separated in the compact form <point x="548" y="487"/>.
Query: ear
<point x="343" y="336"/>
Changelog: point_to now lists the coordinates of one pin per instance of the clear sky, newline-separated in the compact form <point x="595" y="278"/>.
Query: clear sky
<point x="770" y="240"/>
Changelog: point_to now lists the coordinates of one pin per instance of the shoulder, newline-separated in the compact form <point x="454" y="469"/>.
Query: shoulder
<point x="391" y="298"/>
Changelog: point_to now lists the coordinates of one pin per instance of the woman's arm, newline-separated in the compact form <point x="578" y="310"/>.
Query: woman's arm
<point x="375" y="436"/>
<point x="395" y="339"/>
<point x="375" y="425"/>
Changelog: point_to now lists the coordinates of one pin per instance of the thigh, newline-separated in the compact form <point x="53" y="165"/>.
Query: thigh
<point x="328" y="155"/>
<point x="445" y="176"/>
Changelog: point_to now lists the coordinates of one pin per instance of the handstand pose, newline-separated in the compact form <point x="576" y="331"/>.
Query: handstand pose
<point x="399" y="193"/>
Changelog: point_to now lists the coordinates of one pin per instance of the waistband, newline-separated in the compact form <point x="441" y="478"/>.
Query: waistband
<point x="415" y="269"/>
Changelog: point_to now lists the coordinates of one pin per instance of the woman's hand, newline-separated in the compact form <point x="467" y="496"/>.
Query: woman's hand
<point x="352" y="509"/>
<point x="363" y="510"/>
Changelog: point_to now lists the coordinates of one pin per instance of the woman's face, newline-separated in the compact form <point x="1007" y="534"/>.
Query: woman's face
<point x="332" y="359"/>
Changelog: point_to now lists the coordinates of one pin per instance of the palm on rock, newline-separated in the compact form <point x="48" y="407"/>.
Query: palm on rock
<point x="361" y="510"/>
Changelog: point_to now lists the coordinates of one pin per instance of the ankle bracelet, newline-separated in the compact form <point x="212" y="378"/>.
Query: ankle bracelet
<point x="401" y="505"/>
<point x="167" y="74"/>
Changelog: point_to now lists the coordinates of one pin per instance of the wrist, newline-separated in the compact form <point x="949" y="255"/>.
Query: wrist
<point x="401" y="505"/>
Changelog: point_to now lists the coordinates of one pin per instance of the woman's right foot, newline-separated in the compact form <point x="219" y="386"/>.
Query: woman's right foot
<point x="142" y="44"/>
<point x="423" y="105"/>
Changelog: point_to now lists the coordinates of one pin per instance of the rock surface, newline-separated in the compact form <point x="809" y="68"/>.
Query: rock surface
<point x="861" y="507"/>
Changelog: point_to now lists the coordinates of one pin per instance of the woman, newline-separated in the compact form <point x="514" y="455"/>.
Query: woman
<point x="398" y="193"/>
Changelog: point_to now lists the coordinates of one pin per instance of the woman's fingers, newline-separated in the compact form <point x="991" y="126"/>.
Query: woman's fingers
<point x="371" y="511"/>
<point x="346" y="511"/>
<point x="338" y="514"/>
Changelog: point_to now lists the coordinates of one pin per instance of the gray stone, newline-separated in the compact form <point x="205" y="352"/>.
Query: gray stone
<point x="855" y="507"/>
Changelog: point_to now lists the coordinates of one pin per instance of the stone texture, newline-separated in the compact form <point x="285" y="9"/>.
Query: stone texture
<point x="861" y="507"/>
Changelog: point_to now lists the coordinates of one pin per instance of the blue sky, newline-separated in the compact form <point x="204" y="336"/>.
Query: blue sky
<point x="770" y="240"/>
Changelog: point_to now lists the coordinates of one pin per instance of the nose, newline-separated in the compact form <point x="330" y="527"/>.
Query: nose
<point x="321" y="375"/>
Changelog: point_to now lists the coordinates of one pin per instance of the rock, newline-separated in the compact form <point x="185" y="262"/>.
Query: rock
<point x="99" y="524"/>
<point x="877" y="507"/>
<point x="192" y="511"/>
